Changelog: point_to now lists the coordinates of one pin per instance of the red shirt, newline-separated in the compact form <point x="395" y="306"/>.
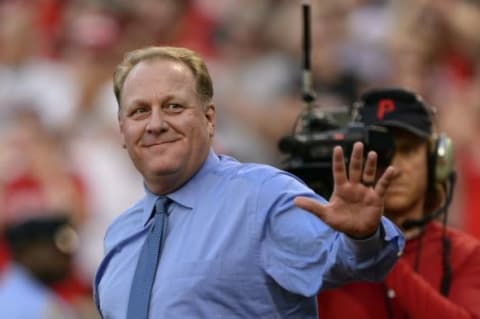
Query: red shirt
<point x="470" y="179"/>
<point x="416" y="291"/>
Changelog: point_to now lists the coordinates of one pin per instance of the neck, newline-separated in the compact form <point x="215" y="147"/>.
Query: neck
<point x="165" y="185"/>
<point x="168" y="183"/>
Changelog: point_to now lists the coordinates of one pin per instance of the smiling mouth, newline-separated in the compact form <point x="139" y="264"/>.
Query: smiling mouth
<point x="159" y="143"/>
<point x="156" y="145"/>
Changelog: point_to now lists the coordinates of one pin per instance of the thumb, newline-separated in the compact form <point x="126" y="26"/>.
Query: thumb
<point x="310" y="205"/>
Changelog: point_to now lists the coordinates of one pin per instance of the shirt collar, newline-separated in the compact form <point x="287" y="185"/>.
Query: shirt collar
<point x="148" y="204"/>
<point x="187" y="194"/>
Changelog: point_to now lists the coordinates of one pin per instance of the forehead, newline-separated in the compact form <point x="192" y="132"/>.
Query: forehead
<point x="157" y="76"/>
<point x="402" y="136"/>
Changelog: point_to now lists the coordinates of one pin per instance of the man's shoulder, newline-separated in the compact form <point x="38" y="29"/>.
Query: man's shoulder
<point x="251" y="171"/>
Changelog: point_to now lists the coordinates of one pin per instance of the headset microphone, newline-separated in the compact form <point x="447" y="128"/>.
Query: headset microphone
<point x="412" y="223"/>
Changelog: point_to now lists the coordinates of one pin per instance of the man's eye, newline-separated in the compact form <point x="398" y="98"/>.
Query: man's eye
<point x="140" y="110"/>
<point x="173" y="107"/>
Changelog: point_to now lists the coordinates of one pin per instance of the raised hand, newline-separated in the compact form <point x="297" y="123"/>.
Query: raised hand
<point x="356" y="204"/>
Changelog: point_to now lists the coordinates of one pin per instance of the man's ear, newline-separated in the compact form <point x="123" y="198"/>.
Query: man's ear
<point x="210" y="115"/>
<point x="122" y="141"/>
<point x="120" y="125"/>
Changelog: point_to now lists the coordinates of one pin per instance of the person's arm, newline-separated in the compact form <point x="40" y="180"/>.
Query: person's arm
<point x="304" y="255"/>
<point x="420" y="300"/>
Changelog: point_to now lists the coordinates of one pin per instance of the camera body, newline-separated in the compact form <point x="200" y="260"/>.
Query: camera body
<point x="310" y="148"/>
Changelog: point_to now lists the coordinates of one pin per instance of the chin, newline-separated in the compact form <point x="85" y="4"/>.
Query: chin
<point x="160" y="167"/>
<point x="162" y="170"/>
<point x="395" y="213"/>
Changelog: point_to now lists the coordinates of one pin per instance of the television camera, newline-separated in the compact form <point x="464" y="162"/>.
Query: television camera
<point x="318" y="130"/>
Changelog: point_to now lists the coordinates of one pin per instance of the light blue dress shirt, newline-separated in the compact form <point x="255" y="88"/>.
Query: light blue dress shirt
<point x="236" y="246"/>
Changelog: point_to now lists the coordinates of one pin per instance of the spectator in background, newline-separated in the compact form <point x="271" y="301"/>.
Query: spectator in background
<point x="438" y="275"/>
<point x="252" y="80"/>
<point x="36" y="179"/>
<point x="460" y="112"/>
<point x="41" y="247"/>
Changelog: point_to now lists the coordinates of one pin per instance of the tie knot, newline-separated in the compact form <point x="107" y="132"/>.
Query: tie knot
<point x="161" y="205"/>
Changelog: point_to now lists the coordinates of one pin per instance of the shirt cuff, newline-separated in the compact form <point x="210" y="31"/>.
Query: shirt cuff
<point x="386" y="232"/>
<point x="366" y="245"/>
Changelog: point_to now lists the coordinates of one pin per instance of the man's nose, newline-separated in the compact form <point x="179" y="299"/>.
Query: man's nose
<point x="157" y="122"/>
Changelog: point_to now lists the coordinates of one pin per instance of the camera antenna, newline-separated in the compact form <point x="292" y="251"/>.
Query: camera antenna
<point x="307" y="84"/>
<point x="303" y="122"/>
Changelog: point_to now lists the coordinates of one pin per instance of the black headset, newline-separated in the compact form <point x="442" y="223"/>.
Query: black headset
<point x="440" y="171"/>
<point x="440" y="160"/>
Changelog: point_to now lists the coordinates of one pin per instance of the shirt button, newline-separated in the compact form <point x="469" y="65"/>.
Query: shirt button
<point x="391" y="293"/>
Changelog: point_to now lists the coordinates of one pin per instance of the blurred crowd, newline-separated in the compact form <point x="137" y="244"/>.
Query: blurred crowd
<point x="60" y="149"/>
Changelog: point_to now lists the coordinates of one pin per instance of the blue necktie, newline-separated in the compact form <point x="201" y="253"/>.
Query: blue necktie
<point x="144" y="277"/>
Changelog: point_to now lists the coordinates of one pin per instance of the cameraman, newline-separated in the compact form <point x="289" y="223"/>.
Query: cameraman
<point x="438" y="275"/>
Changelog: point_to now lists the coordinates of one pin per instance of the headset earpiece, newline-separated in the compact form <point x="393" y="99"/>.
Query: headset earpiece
<point x="441" y="161"/>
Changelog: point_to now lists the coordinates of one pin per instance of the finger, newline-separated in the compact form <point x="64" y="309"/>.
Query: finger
<point x="310" y="205"/>
<point x="356" y="159"/>
<point x="338" y="164"/>
<point x="385" y="181"/>
<point x="370" y="169"/>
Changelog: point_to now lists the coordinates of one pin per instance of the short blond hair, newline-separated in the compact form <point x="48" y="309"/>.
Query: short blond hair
<point x="192" y="60"/>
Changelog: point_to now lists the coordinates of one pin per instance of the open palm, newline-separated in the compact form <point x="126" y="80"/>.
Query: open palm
<point x="356" y="204"/>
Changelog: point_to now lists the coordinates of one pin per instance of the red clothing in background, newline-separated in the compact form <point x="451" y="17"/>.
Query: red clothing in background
<point x="470" y="178"/>
<point x="416" y="293"/>
<point x="24" y="197"/>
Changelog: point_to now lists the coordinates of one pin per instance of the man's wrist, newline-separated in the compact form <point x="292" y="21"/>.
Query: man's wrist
<point x="372" y="234"/>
